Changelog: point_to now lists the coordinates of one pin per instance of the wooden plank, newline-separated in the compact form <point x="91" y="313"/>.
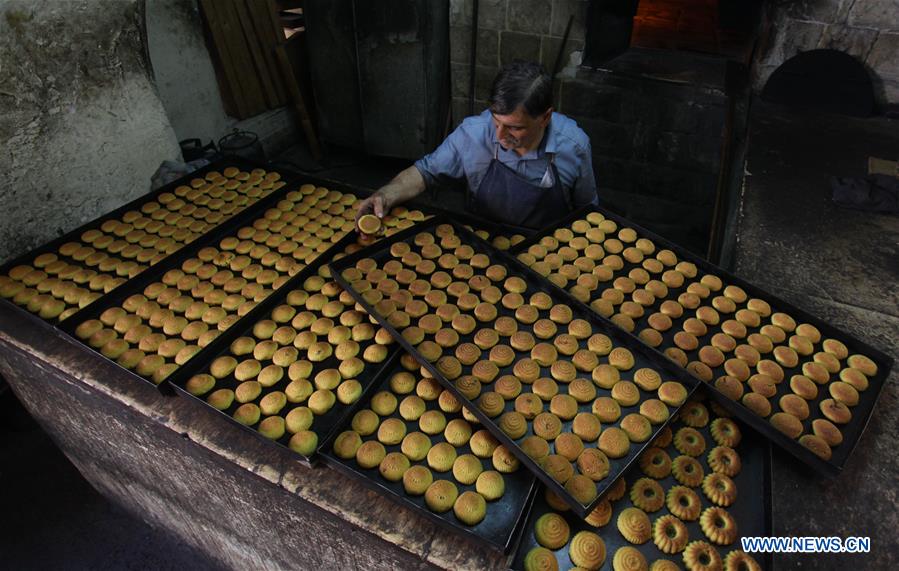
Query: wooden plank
<point x="239" y="53"/>
<point x="230" y="85"/>
<point x="293" y="87"/>
<point x="253" y="44"/>
<point x="268" y="38"/>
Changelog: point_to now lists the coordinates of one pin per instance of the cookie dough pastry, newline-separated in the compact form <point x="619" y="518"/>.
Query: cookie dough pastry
<point x="441" y="496"/>
<point x="504" y="461"/>
<point x="513" y="424"/>
<point x="540" y="559"/>
<point x="247" y="414"/>
<point x="672" y="393"/>
<point x="587" y="550"/>
<point x="558" y="467"/>
<point x="787" y="423"/>
<point x="470" y="508"/>
<point x="552" y="531"/>
<point x="587" y="426"/>
<point x="393" y="466"/>
<point x="483" y="444"/>
<point x="724" y="460"/>
<point x="490" y="485"/>
<point x="689" y="441"/>
<point x="655" y="463"/>
<point x="606" y="409"/>
<point x="629" y="558"/>
<point x="637" y="427"/>
<point x="626" y="393"/>
<point x="593" y="464"/>
<point x="634" y="525"/>
<point x="718" y="525"/>
<point x="647" y="379"/>
<point x="683" y="503"/>
<point x="569" y="446"/>
<point x="720" y="489"/>
<point x="827" y="431"/>
<point x="614" y="442"/>
<point x="817" y="445"/>
<point x="303" y="442"/>
<point x="726" y="432"/>
<point x="370" y="224"/>
<point x="700" y="556"/>
<point x="647" y="495"/>
<point x="688" y="471"/>
<point x="370" y="454"/>
<point x="670" y="534"/>
<point x="740" y="561"/>
<point x="757" y="404"/>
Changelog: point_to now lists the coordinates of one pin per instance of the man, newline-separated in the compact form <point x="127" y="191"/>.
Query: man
<point x="524" y="165"/>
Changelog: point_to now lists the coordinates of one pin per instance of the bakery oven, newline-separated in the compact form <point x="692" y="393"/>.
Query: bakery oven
<point x="717" y="27"/>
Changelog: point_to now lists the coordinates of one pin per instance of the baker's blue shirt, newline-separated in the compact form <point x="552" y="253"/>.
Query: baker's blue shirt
<point x="467" y="152"/>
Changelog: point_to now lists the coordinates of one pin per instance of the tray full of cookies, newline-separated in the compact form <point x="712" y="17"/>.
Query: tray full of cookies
<point x="293" y="369"/>
<point x="65" y="275"/>
<point x="704" y="484"/>
<point x="571" y="396"/>
<point x="801" y="382"/>
<point x="161" y="318"/>
<point x="408" y="439"/>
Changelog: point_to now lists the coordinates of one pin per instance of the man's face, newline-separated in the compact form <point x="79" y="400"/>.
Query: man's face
<point x="519" y="131"/>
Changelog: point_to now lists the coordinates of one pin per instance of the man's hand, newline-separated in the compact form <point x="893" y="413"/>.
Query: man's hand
<point x="375" y="204"/>
<point x="405" y="186"/>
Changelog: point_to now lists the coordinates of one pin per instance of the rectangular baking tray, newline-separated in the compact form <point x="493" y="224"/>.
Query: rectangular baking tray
<point x="505" y="516"/>
<point x="53" y="245"/>
<point x="324" y="425"/>
<point x="861" y="413"/>
<point x="644" y="356"/>
<point x="752" y="509"/>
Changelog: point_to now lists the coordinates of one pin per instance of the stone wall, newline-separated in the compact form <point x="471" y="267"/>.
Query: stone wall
<point x="508" y="30"/>
<point x="656" y="145"/>
<point x="867" y="30"/>
<point x="81" y="127"/>
<point x="656" y="149"/>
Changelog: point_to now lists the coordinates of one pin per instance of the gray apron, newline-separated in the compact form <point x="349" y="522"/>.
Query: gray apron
<point x="504" y="197"/>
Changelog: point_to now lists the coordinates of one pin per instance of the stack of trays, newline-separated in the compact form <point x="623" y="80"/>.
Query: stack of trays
<point x="71" y="272"/>
<point x="572" y="397"/>
<point x="704" y="484"/>
<point x="805" y="385"/>
<point x="411" y="441"/>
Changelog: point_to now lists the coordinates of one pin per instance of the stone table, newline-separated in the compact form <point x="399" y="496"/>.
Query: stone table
<point x="170" y="462"/>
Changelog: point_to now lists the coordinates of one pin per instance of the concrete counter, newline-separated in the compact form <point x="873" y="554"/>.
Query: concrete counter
<point x="177" y="465"/>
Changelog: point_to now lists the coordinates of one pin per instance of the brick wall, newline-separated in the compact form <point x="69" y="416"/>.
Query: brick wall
<point x="507" y="30"/>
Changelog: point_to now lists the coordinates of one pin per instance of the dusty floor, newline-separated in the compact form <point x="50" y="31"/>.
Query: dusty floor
<point x="842" y="266"/>
<point x="792" y="241"/>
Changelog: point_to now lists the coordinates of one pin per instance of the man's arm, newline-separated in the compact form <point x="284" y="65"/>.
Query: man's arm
<point x="584" y="191"/>
<point x="405" y="186"/>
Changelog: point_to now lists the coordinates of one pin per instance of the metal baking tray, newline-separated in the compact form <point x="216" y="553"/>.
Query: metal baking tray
<point x="505" y="516"/>
<point x="861" y="413"/>
<point x="227" y="228"/>
<point x="324" y="425"/>
<point x="643" y="355"/>
<point x="74" y="235"/>
<point x="752" y="509"/>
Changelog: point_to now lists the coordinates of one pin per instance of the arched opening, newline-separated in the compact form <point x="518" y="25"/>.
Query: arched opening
<point x="827" y="81"/>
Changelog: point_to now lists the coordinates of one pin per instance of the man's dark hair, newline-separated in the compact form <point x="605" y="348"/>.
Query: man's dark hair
<point x="521" y="83"/>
